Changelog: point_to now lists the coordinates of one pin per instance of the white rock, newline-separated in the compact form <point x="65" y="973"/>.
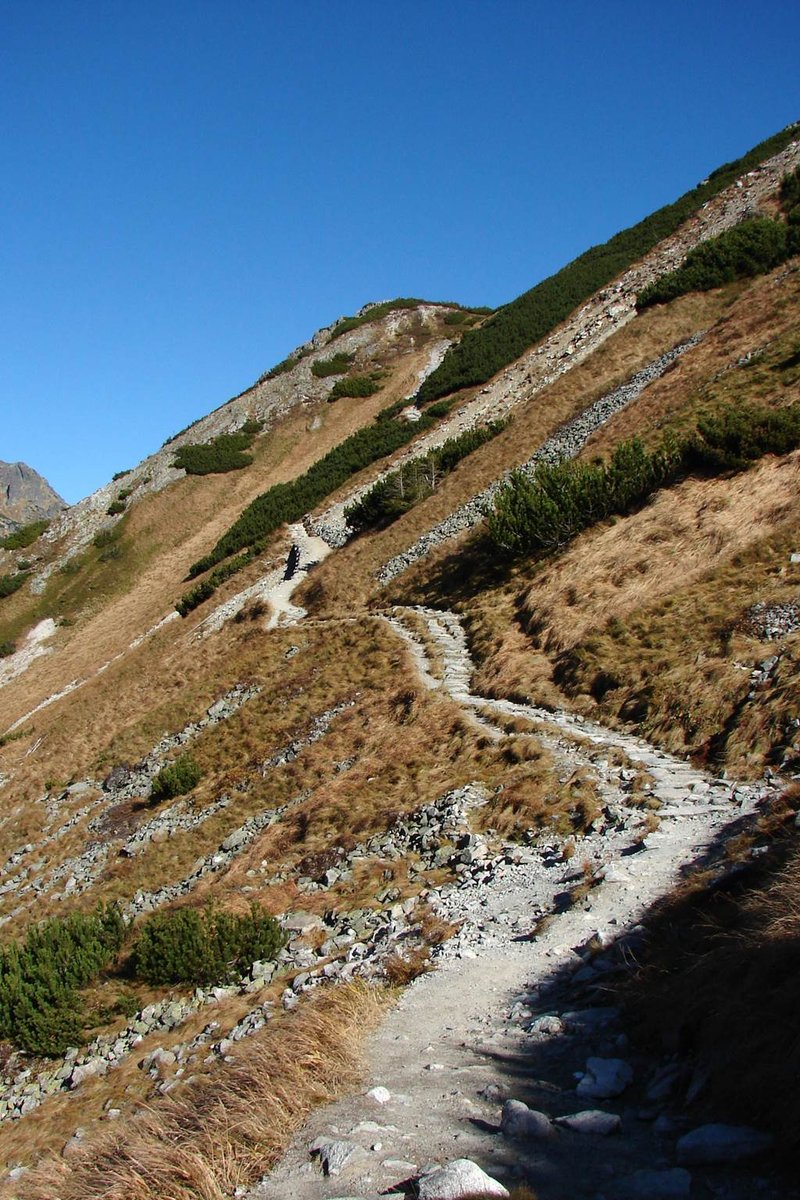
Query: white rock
<point x="605" y="1077"/>
<point x="380" y="1095"/>
<point x="520" y="1121"/>
<point x="591" y="1120"/>
<point x="457" y="1179"/>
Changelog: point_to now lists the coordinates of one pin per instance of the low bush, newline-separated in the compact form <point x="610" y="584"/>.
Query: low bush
<point x="202" y="947"/>
<point x="115" y="508"/>
<point x="40" y="1009"/>
<point x="337" y="365"/>
<point x="7" y="648"/>
<point x="281" y="368"/>
<point x="402" y="489"/>
<point x="176" y="779"/>
<point x="221" y="454"/>
<point x="751" y="248"/>
<point x="355" y="385"/>
<point x="23" y="537"/>
<point x="541" y="512"/>
<point x="12" y="583"/>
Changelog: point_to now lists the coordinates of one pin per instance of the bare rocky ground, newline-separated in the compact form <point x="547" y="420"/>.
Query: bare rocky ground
<point x="509" y="1054"/>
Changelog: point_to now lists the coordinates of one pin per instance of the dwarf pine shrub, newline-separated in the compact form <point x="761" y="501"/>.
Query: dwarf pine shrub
<point x="203" y="946"/>
<point x="12" y="583"/>
<point x="25" y="536"/>
<point x="541" y="512"/>
<point x="337" y="365"/>
<point x="176" y="780"/>
<point x="40" y="1009"/>
<point x="401" y="490"/>
<point x="221" y="454"/>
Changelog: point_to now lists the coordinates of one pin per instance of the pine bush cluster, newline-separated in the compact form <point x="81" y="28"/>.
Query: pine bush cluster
<point x="175" y="780"/>
<point x="202" y="947"/>
<point x="323" y="368"/>
<point x="40" y="1008"/>
<point x="290" y="501"/>
<point x="23" y="537"/>
<point x="12" y="583"/>
<point x="540" y="513"/>
<point x="518" y="325"/>
<point x="221" y="454"/>
<point x="402" y="489"/>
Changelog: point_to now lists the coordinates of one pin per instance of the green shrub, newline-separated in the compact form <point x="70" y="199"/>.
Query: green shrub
<point x="12" y="583"/>
<point x="176" y="779"/>
<point x="354" y="385"/>
<point x="337" y="365"/>
<point x="738" y="436"/>
<point x="7" y="648"/>
<point x="212" y="946"/>
<point x="402" y="489"/>
<point x="524" y="321"/>
<point x="40" y="1009"/>
<point x="105" y="537"/>
<point x="25" y="536"/>
<point x="221" y="454"/>
<point x="375" y="313"/>
<point x="121" y="474"/>
<point x="115" y="508"/>
<point x="750" y="248"/>
<point x="542" y="512"/>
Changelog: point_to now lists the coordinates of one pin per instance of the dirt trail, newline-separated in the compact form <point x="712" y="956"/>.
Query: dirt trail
<point x="465" y="1037"/>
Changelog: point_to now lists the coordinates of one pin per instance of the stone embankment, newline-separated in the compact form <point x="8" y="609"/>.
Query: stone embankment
<point x="581" y="334"/>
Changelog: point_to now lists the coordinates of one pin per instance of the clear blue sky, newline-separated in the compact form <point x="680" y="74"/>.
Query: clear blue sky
<point x="190" y="189"/>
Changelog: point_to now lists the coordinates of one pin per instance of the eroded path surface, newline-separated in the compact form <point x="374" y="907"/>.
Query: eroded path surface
<point x="508" y="1015"/>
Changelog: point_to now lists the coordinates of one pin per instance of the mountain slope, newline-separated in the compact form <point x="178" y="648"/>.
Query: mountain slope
<point x="344" y="771"/>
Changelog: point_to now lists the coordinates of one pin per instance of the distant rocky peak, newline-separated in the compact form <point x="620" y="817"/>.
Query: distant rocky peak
<point x="25" y="496"/>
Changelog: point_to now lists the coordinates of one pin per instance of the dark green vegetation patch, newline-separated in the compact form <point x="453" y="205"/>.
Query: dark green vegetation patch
<point x="202" y="947"/>
<point x="23" y="537"/>
<point x="540" y="513"/>
<point x="356" y="385"/>
<point x="337" y="365"/>
<point x="221" y="454"/>
<point x="290" y="501"/>
<point x="40" y="1009"/>
<point x="402" y="489"/>
<point x="12" y="583"/>
<point x="177" y="779"/>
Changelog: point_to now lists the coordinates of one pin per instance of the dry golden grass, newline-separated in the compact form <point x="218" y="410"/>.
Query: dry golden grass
<point x="758" y="317"/>
<point x="720" y="974"/>
<point x="225" y="1130"/>
<point x="677" y="577"/>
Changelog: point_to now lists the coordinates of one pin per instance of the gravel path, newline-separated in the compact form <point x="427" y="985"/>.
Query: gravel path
<point x="510" y="1015"/>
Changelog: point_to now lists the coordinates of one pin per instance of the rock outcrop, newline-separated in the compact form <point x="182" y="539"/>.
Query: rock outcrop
<point x="25" y="496"/>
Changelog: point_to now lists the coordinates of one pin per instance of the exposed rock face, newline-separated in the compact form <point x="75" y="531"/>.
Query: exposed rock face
<point x="25" y="496"/>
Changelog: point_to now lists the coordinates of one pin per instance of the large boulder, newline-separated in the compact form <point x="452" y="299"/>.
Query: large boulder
<point x="459" y="1178"/>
